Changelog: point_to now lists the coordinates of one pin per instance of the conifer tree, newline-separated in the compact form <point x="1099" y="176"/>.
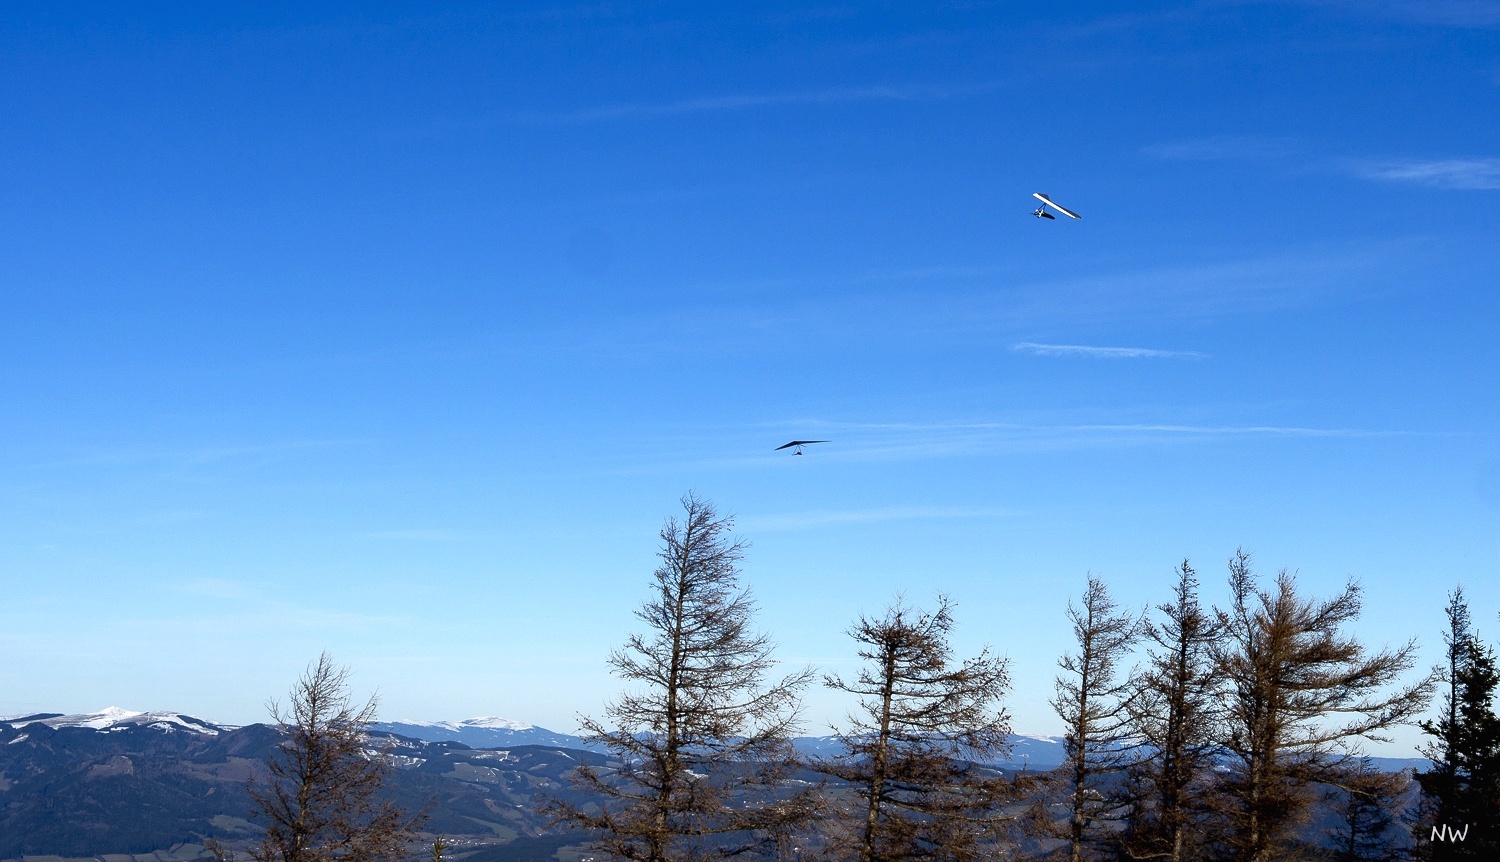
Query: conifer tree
<point x="1479" y="678"/>
<point x="915" y="750"/>
<point x="704" y="739"/>
<point x="1174" y="714"/>
<point x="1300" y="693"/>
<point x="321" y="794"/>
<point x="1092" y="699"/>
<point x="1462" y="790"/>
<point x="1441" y="791"/>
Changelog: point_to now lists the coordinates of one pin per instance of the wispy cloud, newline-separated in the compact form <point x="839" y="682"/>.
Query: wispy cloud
<point x="267" y="616"/>
<point x="420" y="535"/>
<point x="880" y="441"/>
<point x="1260" y="430"/>
<point x="1220" y="147"/>
<point x="188" y="458"/>
<point x="1131" y="427"/>
<point x="789" y="521"/>
<point x="877" y="442"/>
<point x="251" y="605"/>
<point x="1439" y="173"/>
<point x="219" y="588"/>
<point x="981" y="304"/>
<point x="1447" y="173"/>
<point x="834" y="95"/>
<point x="1093" y="352"/>
<point x="1476" y="14"/>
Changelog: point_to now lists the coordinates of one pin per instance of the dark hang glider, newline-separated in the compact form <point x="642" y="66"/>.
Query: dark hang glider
<point x="796" y="445"/>
<point x="1041" y="211"/>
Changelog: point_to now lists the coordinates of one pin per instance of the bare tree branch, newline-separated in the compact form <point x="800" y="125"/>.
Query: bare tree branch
<point x="914" y="752"/>
<point x="321" y="794"/>
<point x="704" y="744"/>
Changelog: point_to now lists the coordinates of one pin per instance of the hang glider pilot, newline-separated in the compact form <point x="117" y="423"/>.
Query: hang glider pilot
<point x="1041" y="211"/>
<point x="796" y="445"/>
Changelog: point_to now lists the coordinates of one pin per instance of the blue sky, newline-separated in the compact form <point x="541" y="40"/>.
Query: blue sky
<point x="399" y="331"/>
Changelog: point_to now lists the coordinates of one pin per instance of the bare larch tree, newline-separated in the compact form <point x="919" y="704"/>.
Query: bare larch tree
<point x="1091" y="699"/>
<point x="914" y="750"/>
<point x="1174" y="715"/>
<point x="704" y="741"/>
<point x="321" y="793"/>
<point x="1300" y="695"/>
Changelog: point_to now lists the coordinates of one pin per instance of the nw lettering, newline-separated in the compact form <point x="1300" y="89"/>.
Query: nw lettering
<point x="1447" y="833"/>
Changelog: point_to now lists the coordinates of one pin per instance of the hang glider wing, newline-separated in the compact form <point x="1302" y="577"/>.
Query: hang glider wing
<point x="797" y="443"/>
<point x="1048" y="201"/>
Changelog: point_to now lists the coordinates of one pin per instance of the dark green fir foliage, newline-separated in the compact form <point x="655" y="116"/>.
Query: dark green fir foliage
<point x="1462" y="790"/>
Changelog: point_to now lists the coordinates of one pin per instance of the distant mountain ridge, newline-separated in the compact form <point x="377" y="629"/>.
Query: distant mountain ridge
<point x="118" y="781"/>
<point x="1026" y="751"/>
<point x="486" y="732"/>
<point x="113" y="717"/>
<point x="1032" y="752"/>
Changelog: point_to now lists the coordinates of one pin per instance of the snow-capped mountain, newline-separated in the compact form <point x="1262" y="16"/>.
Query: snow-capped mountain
<point x="491" y="722"/>
<point x="1038" y="753"/>
<point x="114" y="718"/>
<point x="486" y="732"/>
<point x="77" y="790"/>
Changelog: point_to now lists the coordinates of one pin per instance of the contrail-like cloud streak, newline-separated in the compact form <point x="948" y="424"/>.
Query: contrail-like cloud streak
<point x="756" y="100"/>
<point x="1441" y="173"/>
<point x="1092" y="352"/>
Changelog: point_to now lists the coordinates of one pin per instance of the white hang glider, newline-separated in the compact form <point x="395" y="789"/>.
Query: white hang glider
<point x="1041" y="211"/>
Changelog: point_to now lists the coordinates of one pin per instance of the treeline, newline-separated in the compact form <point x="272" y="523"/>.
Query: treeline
<point x="1191" y="733"/>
